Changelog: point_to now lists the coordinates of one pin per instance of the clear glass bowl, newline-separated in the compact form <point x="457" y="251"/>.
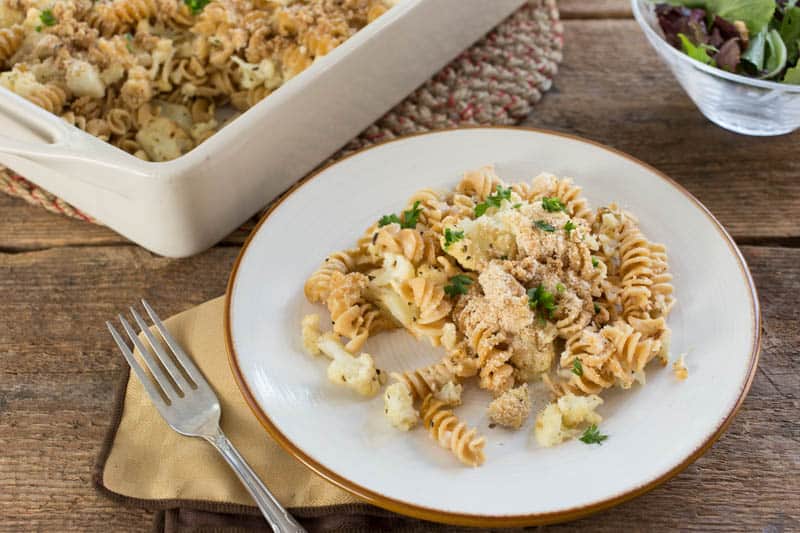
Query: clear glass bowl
<point x="736" y="103"/>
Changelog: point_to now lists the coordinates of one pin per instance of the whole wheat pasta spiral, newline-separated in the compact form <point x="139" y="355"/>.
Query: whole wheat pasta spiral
<point x="10" y="41"/>
<point x="318" y="286"/>
<point x="430" y="379"/>
<point x="479" y="184"/>
<point x="451" y="433"/>
<point x="567" y="192"/>
<point x="49" y="97"/>
<point x="416" y="247"/>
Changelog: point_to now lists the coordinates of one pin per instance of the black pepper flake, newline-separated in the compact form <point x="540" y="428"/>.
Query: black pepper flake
<point x="492" y="425"/>
<point x="464" y="248"/>
<point x="374" y="237"/>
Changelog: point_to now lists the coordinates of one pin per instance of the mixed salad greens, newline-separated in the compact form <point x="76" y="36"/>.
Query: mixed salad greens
<point x="757" y="38"/>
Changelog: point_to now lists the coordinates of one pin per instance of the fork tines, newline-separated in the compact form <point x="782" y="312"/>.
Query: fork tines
<point x="174" y="373"/>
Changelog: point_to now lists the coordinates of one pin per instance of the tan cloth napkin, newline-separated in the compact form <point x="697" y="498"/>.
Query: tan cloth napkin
<point x="148" y="460"/>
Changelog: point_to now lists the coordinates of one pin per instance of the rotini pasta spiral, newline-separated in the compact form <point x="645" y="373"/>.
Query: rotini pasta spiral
<point x="416" y="246"/>
<point x="429" y="379"/>
<point x="434" y="208"/>
<point x="49" y="97"/>
<point x="567" y="192"/>
<point x="479" y="183"/>
<point x="10" y="41"/>
<point x="353" y="316"/>
<point x="318" y="285"/>
<point x="451" y="433"/>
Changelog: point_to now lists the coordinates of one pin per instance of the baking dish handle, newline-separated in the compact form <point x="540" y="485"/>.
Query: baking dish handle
<point x="32" y="134"/>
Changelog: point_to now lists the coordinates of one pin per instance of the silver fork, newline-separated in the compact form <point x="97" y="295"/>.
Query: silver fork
<point x="189" y="405"/>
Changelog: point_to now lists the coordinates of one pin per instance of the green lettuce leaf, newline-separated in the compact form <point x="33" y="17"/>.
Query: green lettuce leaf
<point x="695" y="52"/>
<point x="756" y="14"/>
<point x="790" y="32"/>
<point x="792" y="75"/>
<point x="757" y="50"/>
<point x="776" y="59"/>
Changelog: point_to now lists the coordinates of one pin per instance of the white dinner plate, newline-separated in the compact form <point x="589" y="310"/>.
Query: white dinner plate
<point x="654" y="431"/>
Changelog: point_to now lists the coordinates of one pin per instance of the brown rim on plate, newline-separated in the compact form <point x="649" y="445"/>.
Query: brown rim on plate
<point x="478" y="520"/>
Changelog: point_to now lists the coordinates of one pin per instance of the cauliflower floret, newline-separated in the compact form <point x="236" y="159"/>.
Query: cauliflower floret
<point x="548" y="429"/>
<point x="163" y="139"/>
<point x="679" y="368"/>
<point x="258" y="74"/>
<point x="357" y="373"/>
<point x="578" y="409"/>
<point x="83" y="79"/>
<point x="398" y="405"/>
<point x="311" y="334"/>
<point x="559" y="421"/>
<point x="512" y="408"/>
<point x="450" y="393"/>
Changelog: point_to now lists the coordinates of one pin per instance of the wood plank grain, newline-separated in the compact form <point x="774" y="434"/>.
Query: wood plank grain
<point x="612" y="88"/>
<point x="58" y="367"/>
<point x="58" y="371"/>
<point x="594" y="9"/>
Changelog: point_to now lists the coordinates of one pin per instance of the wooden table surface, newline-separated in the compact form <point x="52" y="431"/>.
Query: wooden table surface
<point x="60" y="279"/>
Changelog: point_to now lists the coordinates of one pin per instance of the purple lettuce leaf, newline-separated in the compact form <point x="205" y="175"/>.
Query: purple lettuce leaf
<point x="678" y="19"/>
<point x="729" y="55"/>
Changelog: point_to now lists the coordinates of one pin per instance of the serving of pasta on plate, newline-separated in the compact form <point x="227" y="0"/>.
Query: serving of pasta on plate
<point x="149" y="76"/>
<point x="518" y="283"/>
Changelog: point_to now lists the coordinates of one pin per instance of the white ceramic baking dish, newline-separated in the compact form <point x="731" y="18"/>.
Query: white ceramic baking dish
<point x="180" y="207"/>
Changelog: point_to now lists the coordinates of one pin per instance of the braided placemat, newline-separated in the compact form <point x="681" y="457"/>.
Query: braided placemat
<point x="495" y="82"/>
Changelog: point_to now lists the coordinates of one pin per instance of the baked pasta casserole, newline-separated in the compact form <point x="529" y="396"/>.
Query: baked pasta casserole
<point x="148" y="76"/>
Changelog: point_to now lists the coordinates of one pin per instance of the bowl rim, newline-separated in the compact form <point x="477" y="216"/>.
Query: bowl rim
<point x="478" y="520"/>
<point x="714" y="71"/>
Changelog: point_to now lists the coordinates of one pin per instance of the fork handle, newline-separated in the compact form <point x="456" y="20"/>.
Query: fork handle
<point x="278" y="517"/>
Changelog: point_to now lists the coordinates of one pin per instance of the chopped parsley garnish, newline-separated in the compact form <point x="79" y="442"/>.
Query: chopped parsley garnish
<point x="560" y="287"/>
<point x="493" y="200"/>
<point x="408" y="220"/>
<point x="592" y="435"/>
<point x="451" y="236"/>
<point x="596" y="308"/>
<point x="129" y="43"/>
<point x="569" y="226"/>
<point x="577" y="367"/>
<point x="552" y="204"/>
<point x="196" y="6"/>
<point x="385" y="220"/>
<point x="595" y="262"/>
<point x="459" y="284"/>
<point x="542" y="298"/>
<point x="544" y="226"/>
<point x="516" y="206"/>
<point x="47" y="18"/>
